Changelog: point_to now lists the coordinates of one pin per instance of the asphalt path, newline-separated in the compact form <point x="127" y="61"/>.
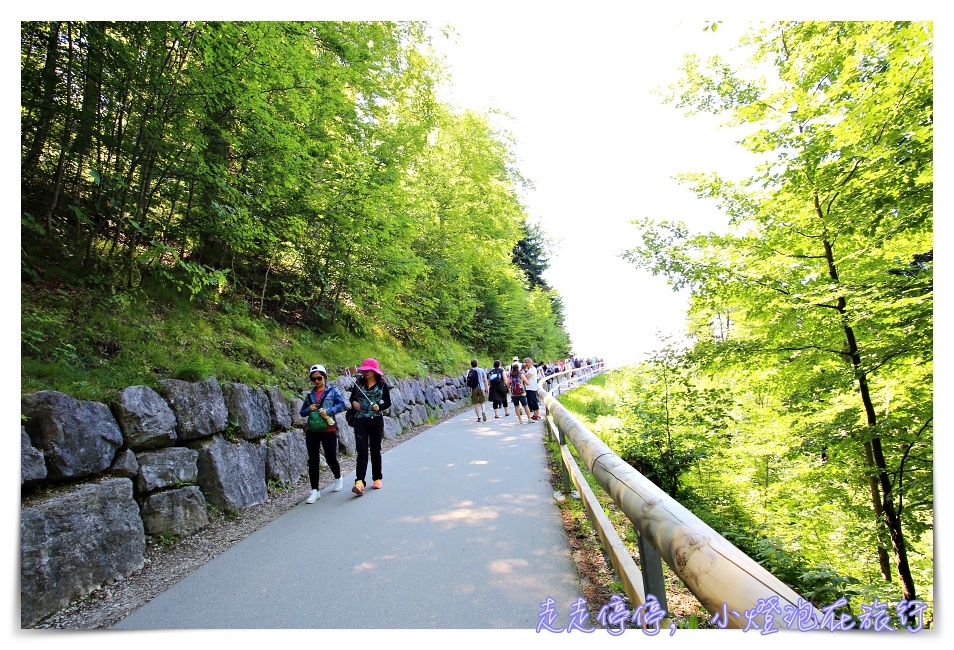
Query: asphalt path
<point x="464" y="534"/>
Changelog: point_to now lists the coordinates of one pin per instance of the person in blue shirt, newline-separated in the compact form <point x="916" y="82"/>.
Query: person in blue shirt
<point x="326" y="401"/>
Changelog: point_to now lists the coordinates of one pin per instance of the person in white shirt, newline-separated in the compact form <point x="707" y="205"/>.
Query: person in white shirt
<point x="530" y="379"/>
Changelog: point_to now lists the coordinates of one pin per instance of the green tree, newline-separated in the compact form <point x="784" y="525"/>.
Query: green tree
<point x="669" y="419"/>
<point x="467" y="211"/>
<point x="807" y="276"/>
<point x="305" y="168"/>
<point x="531" y="256"/>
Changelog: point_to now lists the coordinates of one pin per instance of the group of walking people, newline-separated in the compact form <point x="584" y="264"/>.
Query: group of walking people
<point x="369" y="398"/>
<point x="516" y="382"/>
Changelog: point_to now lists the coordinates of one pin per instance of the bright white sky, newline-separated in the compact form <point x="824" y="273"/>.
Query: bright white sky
<point x="601" y="151"/>
<point x="600" y="147"/>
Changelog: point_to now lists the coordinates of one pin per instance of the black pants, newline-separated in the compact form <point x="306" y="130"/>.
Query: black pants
<point x="327" y="440"/>
<point x="532" y="402"/>
<point x="368" y="433"/>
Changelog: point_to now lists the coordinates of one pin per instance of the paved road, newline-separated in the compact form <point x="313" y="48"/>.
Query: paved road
<point x="465" y="534"/>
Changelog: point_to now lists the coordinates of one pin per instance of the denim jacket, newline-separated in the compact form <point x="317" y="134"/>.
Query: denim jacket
<point x="331" y="401"/>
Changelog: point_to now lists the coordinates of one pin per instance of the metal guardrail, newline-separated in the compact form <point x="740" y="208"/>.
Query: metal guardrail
<point x="564" y="380"/>
<point x="635" y="583"/>
<point x="724" y="580"/>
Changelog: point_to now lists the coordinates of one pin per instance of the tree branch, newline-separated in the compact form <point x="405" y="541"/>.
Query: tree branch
<point x="904" y="457"/>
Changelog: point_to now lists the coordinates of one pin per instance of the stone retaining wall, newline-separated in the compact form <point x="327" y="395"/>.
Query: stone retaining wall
<point x="96" y="479"/>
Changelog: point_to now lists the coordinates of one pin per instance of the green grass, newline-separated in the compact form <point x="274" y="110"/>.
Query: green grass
<point x="90" y="346"/>
<point x="591" y="399"/>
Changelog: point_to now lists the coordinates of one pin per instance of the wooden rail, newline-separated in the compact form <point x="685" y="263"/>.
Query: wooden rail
<point x="722" y="578"/>
<point x="626" y="569"/>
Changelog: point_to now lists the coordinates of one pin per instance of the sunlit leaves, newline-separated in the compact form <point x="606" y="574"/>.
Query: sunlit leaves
<point x="297" y="155"/>
<point x="824" y="275"/>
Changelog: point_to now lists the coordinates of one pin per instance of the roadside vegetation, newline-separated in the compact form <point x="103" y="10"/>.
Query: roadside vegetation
<point x="790" y="524"/>
<point x="599" y="582"/>
<point x="245" y="199"/>
<point x="75" y="341"/>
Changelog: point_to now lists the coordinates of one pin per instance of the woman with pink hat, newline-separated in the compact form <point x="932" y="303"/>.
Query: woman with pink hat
<point x="369" y="397"/>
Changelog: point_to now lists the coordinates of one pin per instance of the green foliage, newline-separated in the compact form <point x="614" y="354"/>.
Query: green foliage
<point x="815" y="307"/>
<point x="661" y="420"/>
<point x="302" y="171"/>
<point x="231" y="430"/>
<point x="766" y="491"/>
<point x="592" y="399"/>
<point x="159" y="338"/>
<point x="195" y="369"/>
<point x="167" y="539"/>
<point x="276" y="486"/>
<point x="531" y="256"/>
<point x="820" y="584"/>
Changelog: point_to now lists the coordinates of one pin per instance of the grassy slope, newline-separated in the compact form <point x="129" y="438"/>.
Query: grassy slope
<point x="90" y="344"/>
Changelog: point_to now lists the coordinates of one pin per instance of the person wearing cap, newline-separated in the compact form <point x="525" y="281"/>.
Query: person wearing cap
<point x="327" y="400"/>
<point x="369" y="397"/>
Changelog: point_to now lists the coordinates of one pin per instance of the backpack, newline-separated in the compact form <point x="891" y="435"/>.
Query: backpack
<point x="516" y="388"/>
<point x="472" y="378"/>
<point x="495" y="376"/>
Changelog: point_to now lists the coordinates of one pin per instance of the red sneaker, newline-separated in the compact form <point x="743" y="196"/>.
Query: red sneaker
<point x="358" y="488"/>
<point x="377" y="484"/>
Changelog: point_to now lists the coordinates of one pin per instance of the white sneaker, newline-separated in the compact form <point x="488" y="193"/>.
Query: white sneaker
<point x="338" y="485"/>
<point x="314" y="496"/>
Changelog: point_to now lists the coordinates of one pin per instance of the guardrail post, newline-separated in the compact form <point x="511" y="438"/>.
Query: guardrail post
<point x="554" y="431"/>
<point x="567" y="481"/>
<point x="650" y="565"/>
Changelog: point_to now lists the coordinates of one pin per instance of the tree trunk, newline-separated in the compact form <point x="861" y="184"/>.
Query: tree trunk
<point x="883" y="562"/>
<point x="47" y="108"/>
<point x="887" y="517"/>
<point x="65" y="138"/>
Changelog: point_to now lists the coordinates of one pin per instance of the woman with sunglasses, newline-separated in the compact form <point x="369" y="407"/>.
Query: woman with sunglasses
<point x="327" y="401"/>
<point x="370" y="396"/>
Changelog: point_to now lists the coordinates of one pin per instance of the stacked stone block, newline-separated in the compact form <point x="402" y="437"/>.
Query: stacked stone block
<point x="96" y="479"/>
